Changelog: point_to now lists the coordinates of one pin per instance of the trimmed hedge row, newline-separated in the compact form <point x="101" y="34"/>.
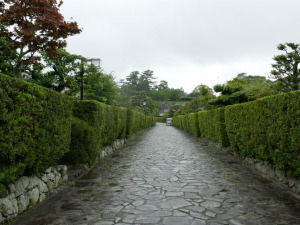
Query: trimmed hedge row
<point x="39" y="127"/>
<point x="188" y="123"/>
<point x="212" y="126"/>
<point x="266" y="129"/>
<point x="137" y="121"/>
<point x="97" y="125"/>
<point x="35" y="128"/>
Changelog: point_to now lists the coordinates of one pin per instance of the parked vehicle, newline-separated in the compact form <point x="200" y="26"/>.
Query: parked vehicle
<point x="169" y="122"/>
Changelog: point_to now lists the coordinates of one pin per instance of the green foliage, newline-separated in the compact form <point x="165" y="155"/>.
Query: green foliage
<point x="243" y="88"/>
<point x="139" y="88"/>
<point x="212" y="126"/>
<point x="268" y="129"/>
<point x="84" y="146"/>
<point x="34" y="127"/>
<point x="202" y="95"/>
<point x="137" y="121"/>
<point x="195" y="105"/>
<point x="201" y="90"/>
<point x="193" y="124"/>
<point x="60" y="72"/>
<point x="286" y="67"/>
<point x="172" y="111"/>
<point x="160" y="119"/>
<point x="99" y="86"/>
<point x="189" y="123"/>
<point x="7" y="57"/>
<point x="97" y="125"/>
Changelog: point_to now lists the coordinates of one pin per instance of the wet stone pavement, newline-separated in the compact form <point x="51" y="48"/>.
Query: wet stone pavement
<point x="167" y="177"/>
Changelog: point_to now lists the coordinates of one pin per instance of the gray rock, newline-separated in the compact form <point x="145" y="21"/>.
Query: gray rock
<point x="62" y="169"/>
<point x="42" y="187"/>
<point x="23" y="202"/>
<point x="176" y="220"/>
<point x="34" y="196"/>
<point x="44" y="178"/>
<point x="280" y="175"/>
<point x="51" y="176"/>
<point x="42" y="197"/>
<point x="57" y="179"/>
<point x="50" y="185"/>
<point x="21" y="185"/>
<point x="33" y="182"/>
<point x="49" y="170"/>
<point x="65" y="179"/>
<point x="12" y="189"/>
<point x="262" y="168"/>
<point x="8" y="207"/>
<point x="1" y="218"/>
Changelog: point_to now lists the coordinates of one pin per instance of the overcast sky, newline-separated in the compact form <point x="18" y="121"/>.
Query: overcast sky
<point x="185" y="42"/>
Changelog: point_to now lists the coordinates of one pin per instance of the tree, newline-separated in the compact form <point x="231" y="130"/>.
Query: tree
<point x="61" y="71"/>
<point x="203" y="95"/>
<point x="146" y="82"/>
<point x="286" y="67"/>
<point x="6" y="58"/>
<point x="34" y="26"/>
<point x="163" y="85"/>
<point x="201" y="90"/>
<point x="99" y="86"/>
<point x="176" y="94"/>
<point x="243" y="88"/>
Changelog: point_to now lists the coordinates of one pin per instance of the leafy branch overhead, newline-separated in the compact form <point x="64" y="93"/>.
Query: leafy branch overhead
<point x="33" y="26"/>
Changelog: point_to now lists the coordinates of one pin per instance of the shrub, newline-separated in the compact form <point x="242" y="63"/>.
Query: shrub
<point x="35" y="128"/>
<point x="193" y="124"/>
<point x="268" y="129"/>
<point x="84" y="146"/>
<point x="212" y="126"/>
<point x="98" y="125"/>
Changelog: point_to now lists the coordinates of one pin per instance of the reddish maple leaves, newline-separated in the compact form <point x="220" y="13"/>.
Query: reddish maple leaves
<point x="32" y="26"/>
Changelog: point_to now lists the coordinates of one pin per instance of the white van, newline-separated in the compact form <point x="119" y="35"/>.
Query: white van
<point x="169" y="122"/>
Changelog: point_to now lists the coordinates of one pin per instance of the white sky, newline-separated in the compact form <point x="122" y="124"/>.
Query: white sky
<point x="185" y="42"/>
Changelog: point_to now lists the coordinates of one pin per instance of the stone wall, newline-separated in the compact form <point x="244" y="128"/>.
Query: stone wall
<point x="273" y="173"/>
<point x="28" y="191"/>
<point x="264" y="168"/>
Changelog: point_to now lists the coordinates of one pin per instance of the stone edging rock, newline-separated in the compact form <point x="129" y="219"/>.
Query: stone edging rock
<point x="28" y="191"/>
<point x="263" y="167"/>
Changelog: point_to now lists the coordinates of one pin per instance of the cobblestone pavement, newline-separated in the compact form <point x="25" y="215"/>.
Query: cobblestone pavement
<point x="167" y="177"/>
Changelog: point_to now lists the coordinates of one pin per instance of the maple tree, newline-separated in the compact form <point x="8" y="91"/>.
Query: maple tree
<point x="32" y="26"/>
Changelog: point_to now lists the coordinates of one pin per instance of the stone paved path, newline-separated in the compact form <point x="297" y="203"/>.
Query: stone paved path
<point x="168" y="178"/>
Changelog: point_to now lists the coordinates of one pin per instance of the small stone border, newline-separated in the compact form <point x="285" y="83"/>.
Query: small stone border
<point x="27" y="191"/>
<point x="265" y="168"/>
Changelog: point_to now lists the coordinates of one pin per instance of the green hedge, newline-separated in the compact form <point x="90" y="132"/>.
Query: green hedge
<point x="84" y="146"/>
<point x="212" y="126"/>
<point x="268" y="129"/>
<point x="160" y="119"/>
<point x="193" y="124"/>
<point x="40" y="128"/>
<point x="35" y="128"/>
<point x="97" y="125"/>
<point x="188" y="122"/>
<point x="137" y="121"/>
